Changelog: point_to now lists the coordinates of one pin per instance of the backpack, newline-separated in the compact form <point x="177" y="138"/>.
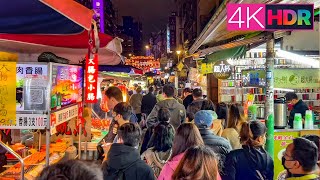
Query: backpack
<point x="120" y="172"/>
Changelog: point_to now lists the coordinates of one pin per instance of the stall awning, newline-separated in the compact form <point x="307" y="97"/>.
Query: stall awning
<point x="216" y="29"/>
<point x="120" y="69"/>
<point x="44" y="17"/>
<point x="60" y="27"/>
<point x="226" y="54"/>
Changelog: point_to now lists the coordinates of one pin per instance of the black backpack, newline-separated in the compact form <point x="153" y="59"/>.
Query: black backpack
<point x="120" y="173"/>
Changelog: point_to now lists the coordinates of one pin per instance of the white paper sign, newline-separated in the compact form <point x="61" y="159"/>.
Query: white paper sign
<point x="62" y="116"/>
<point x="29" y="121"/>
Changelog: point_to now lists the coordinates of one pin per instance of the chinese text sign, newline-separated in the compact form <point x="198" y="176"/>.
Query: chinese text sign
<point x="7" y="93"/>
<point x="91" y="79"/>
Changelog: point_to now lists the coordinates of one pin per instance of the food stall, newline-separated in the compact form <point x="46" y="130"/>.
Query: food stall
<point x="247" y="84"/>
<point x="120" y="76"/>
<point x="47" y="97"/>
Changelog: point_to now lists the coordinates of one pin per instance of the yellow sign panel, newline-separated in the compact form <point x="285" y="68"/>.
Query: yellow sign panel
<point x="7" y="93"/>
<point x="5" y="56"/>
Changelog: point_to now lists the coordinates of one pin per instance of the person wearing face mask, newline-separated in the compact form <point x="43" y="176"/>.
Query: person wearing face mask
<point x="300" y="160"/>
<point x="114" y="97"/>
<point x="298" y="106"/>
<point x="121" y="115"/>
<point x="252" y="161"/>
<point x="124" y="160"/>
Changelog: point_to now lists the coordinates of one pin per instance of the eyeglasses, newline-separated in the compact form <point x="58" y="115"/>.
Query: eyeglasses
<point x="286" y="155"/>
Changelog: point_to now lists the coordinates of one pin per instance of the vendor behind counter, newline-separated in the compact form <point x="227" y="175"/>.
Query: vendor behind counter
<point x="298" y="106"/>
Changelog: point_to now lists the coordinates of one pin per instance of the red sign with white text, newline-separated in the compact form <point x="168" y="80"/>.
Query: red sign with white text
<point x="91" y="79"/>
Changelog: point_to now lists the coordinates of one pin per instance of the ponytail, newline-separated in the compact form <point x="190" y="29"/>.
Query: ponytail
<point x="251" y="131"/>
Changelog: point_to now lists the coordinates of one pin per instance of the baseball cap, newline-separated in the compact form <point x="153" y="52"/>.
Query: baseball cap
<point x="204" y="118"/>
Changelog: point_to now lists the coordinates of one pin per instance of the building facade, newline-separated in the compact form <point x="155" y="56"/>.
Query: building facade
<point x="193" y="15"/>
<point x="105" y="15"/>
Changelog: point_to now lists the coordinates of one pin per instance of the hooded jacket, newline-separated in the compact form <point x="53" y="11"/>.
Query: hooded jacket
<point x="200" y="104"/>
<point x="127" y="159"/>
<point x="169" y="168"/>
<point x="178" y="113"/>
<point x="218" y="144"/>
<point x="247" y="163"/>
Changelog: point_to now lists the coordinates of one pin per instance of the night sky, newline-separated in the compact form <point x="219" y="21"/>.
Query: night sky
<point x="152" y="13"/>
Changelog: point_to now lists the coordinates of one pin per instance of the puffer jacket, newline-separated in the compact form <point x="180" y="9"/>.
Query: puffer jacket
<point x="218" y="144"/>
<point x="247" y="163"/>
<point x="178" y="113"/>
<point x="125" y="160"/>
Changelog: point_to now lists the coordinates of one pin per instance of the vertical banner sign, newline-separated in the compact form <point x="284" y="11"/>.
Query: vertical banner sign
<point x="7" y="93"/>
<point x="91" y="79"/>
<point x="98" y="7"/>
<point x="172" y="27"/>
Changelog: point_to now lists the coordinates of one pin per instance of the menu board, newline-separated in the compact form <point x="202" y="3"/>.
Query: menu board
<point x="67" y="83"/>
<point x="253" y="78"/>
<point x="297" y="78"/>
<point x="283" y="78"/>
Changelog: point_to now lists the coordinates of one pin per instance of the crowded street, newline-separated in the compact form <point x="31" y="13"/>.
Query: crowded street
<point x="159" y="90"/>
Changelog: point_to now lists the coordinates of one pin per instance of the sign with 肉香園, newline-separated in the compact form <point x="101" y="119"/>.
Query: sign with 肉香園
<point x="297" y="78"/>
<point x="7" y="93"/>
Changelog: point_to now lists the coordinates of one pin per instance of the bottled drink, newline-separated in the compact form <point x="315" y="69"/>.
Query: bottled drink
<point x="308" y="120"/>
<point x="297" y="122"/>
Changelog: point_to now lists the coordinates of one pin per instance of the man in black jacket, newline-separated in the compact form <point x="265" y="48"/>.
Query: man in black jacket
<point x="188" y="98"/>
<point x="148" y="102"/>
<point x="298" y="106"/>
<point x="199" y="103"/>
<point x="124" y="161"/>
<point x="204" y="120"/>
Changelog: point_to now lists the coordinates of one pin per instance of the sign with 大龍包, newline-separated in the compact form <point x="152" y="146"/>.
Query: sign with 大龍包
<point x="91" y="79"/>
<point x="222" y="70"/>
<point x="297" y="78"/>
<point x="7" y="95"/>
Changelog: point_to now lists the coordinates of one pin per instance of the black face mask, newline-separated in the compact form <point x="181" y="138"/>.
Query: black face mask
<point x="283" y="160"/>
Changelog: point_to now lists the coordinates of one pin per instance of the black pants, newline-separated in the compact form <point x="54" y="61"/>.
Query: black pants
<point x="139" y="117"/>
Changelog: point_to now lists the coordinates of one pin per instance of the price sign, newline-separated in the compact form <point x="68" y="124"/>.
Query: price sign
<point x="29" y="121"/>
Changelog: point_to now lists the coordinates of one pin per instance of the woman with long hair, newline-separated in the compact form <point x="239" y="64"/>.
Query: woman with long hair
<point x="187" y="136"/>
<point x="236" y="118"/>
<point x="198" y="163"/>
<point x="160" y="145"/>
<point x="252" y="161"/>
